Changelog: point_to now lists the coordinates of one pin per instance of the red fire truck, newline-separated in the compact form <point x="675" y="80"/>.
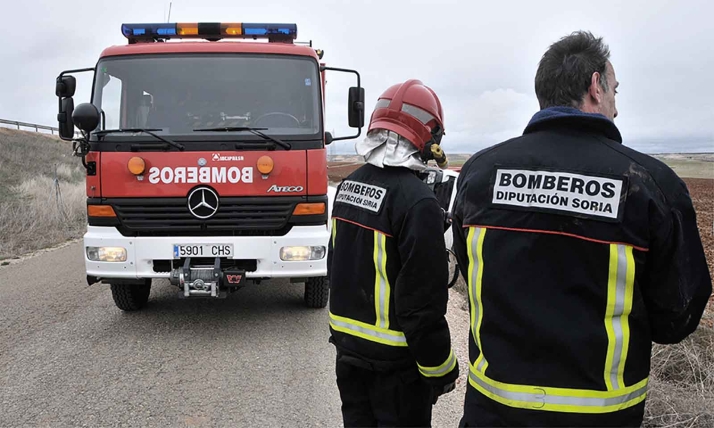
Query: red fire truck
<point x="205" y="159"/>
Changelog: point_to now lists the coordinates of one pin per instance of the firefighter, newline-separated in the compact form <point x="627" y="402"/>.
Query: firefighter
<point x="579" y="252"/>
<point x="387" y="266"/>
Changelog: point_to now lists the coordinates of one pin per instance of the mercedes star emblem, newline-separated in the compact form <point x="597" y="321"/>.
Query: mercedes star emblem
<point x="203" y="202"/>
<point x="202" y="162"/>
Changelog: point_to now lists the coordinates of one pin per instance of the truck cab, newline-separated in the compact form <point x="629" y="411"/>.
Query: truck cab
<point x="205" y="158"/>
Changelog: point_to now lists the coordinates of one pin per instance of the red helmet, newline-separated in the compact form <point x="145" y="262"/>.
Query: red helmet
<point x="410" y="109"/>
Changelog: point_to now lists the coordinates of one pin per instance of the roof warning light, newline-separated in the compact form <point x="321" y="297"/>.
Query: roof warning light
<point x="209" y="31"/>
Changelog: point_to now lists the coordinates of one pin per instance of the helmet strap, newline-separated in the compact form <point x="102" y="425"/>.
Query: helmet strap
<point x="432" y="148"/>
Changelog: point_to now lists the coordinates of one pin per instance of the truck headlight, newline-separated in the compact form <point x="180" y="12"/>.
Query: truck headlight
<point x="106" y="254"/>
<point x="297" y="254"/>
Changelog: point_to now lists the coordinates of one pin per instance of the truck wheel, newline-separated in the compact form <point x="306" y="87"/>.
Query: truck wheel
<point x="131" y="296"/>
<point x="317" y="292"/>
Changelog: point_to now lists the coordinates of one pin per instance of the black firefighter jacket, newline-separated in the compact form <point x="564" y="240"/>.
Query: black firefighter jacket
<point x="388" y="273"/>
<point x="579" y="252"/>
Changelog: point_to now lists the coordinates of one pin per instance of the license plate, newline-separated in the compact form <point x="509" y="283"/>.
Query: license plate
<point x="203" y="250"/>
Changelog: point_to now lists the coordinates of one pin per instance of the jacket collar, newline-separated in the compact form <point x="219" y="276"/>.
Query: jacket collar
<point x="558" y="117"/>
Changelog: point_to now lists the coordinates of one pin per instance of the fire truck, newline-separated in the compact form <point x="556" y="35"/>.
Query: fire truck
<point x="204" y="146"/>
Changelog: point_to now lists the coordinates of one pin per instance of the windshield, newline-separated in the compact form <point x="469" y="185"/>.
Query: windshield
<point x="180" y="93"/>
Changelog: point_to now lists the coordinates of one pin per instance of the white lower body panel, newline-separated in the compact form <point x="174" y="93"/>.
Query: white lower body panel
<point x="142" y="251"/>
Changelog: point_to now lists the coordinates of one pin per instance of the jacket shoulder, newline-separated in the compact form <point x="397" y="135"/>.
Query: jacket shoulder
<point x="476" y="157"/>
<point x="648" y="168"/>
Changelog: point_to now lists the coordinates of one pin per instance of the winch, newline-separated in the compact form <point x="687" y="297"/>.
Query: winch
<point x="205" y="280"/>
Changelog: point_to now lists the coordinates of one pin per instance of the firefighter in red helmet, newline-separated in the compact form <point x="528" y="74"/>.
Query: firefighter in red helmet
<point x="387" y="265"/>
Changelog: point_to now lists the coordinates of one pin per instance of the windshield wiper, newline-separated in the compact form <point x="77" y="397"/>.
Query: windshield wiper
<point x="256" y="131"/>
<point x="145" y="131"/>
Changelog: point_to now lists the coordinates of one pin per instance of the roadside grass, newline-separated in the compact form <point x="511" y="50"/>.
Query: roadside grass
<point x="42" y="193"/>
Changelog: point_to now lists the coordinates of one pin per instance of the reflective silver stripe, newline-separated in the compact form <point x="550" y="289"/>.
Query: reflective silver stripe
<point x="441" y="370"/>
<point x="619" y="310"/>
<point x="481" y="364"/>
<point x="422" y="115"/>
<point x="364" y="331"/>
<point x="382" y="103"/>
<point x="381" y="280"/>
<point x="619" y="305"/>
<point x="540" y="398"/>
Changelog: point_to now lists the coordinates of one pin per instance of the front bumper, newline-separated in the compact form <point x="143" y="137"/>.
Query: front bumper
<point x="265" y="250"/>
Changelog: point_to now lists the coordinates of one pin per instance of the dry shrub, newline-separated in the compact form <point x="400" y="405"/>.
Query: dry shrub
<point x="66" y="172"/>
<point x="37" y="217"/>
<point x="681" y="392"/>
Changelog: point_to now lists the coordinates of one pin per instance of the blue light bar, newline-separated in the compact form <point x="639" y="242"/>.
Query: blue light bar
<point x="148" y="30"/>
<point x="210" y="31"/>
<point x="270" y="29"/>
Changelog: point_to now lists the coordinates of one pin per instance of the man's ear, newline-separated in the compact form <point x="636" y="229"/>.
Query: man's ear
<point x="595" y="91"/>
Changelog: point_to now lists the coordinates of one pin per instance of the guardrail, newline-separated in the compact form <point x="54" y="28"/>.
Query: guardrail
<point x="36" y="126"/>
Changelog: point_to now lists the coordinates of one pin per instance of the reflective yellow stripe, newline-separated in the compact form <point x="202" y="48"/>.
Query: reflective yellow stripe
<point x="475" y="250"/>
<point x="557" y="399"/>
<point x="619" y="305"/>
<point x="440" y="370"/>
<point x="629" y="295"/>
<point x="381" y="282"/>
<point x="620" y="288"/>
<point x="367" y="331"/>
<point x="387" y="287"/>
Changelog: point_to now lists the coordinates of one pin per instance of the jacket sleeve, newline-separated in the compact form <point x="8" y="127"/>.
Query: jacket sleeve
<point x="421" y="292"/>
<point x="678" y="283"/>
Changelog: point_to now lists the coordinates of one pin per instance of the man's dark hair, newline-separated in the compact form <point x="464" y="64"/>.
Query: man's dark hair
<point x="566" y="68"/>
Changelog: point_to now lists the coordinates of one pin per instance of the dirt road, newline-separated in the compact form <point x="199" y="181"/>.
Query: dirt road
<point x="69" y="357"/>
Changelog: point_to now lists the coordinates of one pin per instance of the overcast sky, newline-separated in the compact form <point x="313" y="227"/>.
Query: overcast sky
<point x="479" y="57"/>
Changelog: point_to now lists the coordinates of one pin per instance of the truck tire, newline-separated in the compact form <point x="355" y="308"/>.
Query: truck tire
<point x="131" y="296"/>
<point x="453" y="267"/>
<point x="317" y="292"/>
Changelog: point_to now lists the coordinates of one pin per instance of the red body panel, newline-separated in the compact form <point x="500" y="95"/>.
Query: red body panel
<point x="209" y="47"/>
<point x="174" y="174"/>
<point x="93" y="182"/>
<point x="317" y="172"/>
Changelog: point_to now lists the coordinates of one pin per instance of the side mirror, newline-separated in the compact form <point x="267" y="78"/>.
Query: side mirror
<point x="356" y="107"/>
<point x="328" y="138"/>
<point x="65" y="86"/>
<point x="86" y="116"/>
<point x="355" y="104"/>
<point x="66" y="124"/>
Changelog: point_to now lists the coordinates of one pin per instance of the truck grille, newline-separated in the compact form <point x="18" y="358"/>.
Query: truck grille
<point x="239" y="216"/>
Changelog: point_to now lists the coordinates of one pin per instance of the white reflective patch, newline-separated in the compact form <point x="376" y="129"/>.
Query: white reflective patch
<point x="560" y="191"/>
<point x="361" y="195"/>
<point x="204" y="175"/>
